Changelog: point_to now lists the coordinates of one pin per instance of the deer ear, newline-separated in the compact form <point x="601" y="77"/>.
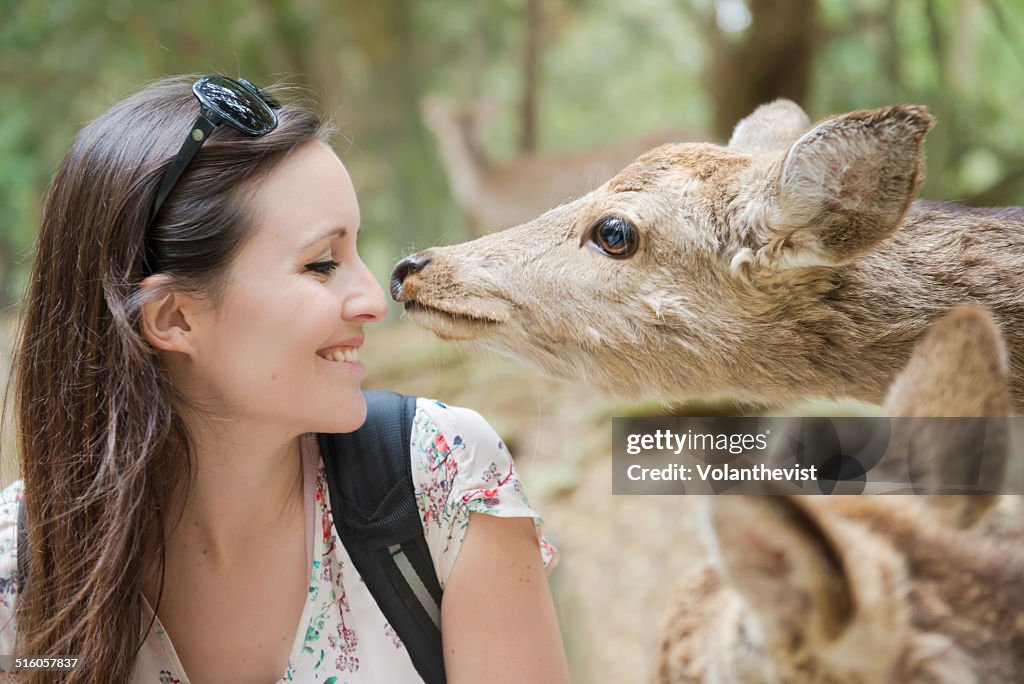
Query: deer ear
<point x="779" y="557"/>
<point x="845" y="184"/>
<point x="959" y="368"/>
<point x="771" y="127"/>
<point x="959" y="371"/>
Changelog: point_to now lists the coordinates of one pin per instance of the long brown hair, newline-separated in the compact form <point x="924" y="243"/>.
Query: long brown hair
<point x="103" y="450"/>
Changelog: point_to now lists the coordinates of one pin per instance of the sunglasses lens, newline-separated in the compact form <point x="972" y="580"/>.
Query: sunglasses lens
<point x="237" y="104"/>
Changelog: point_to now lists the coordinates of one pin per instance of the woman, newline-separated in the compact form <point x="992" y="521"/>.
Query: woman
<point x="192" y="320"/>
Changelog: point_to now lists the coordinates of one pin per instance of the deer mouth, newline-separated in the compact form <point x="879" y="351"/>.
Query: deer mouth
<point x="450" y="325"/>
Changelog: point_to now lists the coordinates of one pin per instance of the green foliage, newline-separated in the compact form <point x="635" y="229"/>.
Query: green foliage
<point x="962" y="58"/>
<point x="608" y="70"/>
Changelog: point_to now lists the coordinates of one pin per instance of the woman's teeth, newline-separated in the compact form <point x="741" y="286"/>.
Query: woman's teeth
<point x="341" y="355"/>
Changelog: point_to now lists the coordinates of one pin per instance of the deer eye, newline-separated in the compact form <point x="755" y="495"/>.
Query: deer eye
<point x="614" y="236"/>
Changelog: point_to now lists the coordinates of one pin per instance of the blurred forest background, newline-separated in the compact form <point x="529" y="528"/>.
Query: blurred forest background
<point x="537" y="77"/>
<point x="463" y="116"/>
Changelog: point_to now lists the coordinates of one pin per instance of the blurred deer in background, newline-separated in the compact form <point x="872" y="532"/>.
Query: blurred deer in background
<point x="866" y="589"/>
<point x="495" y="195"/>
<point x="793" y="263"/>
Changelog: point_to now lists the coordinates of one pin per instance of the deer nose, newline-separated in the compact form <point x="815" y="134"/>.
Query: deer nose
<point x="405" y="268"/>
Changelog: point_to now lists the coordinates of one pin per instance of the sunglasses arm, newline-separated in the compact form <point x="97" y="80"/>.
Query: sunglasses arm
<point x="206" y="122"/>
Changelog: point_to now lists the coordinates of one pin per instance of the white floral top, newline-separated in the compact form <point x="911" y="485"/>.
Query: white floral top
<point x="459" y="466"/>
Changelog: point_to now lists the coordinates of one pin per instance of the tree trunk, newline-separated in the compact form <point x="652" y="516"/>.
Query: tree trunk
<point x="531" y="81"/>
<point x="385" y="33"/>
<point x="771" y="58"/>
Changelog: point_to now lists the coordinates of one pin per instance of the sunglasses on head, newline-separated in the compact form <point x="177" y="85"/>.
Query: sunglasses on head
<point x="222" y="100"/>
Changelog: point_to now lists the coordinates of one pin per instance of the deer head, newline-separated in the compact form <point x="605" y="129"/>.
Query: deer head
<point x="698" y="269"/>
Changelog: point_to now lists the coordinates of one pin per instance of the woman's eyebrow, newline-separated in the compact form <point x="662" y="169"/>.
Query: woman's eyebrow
<point x="340" y="231"/>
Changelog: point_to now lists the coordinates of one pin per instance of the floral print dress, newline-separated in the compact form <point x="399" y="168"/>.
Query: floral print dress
<point x="459" y="465"/>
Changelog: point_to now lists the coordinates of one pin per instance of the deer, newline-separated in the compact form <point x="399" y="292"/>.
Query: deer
<point x="858" y="589"/>
<point x="493" y="194"/>
<point x="794" y="262"/>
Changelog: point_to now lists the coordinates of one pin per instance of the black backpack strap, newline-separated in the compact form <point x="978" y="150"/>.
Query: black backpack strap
<point x="369" y="477"/>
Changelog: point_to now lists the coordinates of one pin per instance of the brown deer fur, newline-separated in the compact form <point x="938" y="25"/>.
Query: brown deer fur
<point x="791" y="263"/>
<point x="863" y="589"/>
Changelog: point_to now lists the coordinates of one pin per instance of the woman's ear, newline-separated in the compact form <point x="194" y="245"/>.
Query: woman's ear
<point x="165" y="317"/>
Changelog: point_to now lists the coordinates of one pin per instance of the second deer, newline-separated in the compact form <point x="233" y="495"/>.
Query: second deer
<point x="494" y="194"/>
<point x="857" y="589"/>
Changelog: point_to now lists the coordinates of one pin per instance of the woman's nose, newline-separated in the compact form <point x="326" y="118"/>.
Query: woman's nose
<point x="403" y="269"/>
<point x="370" y="304"/>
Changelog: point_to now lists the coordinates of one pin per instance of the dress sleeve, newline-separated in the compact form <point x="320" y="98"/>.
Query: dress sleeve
<point x="10" y="497"/>
<point x="461" y="466"/>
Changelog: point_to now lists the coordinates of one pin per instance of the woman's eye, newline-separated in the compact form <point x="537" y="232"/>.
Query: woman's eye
<point x="614" y="236"/>
<point x="325" y="267"/>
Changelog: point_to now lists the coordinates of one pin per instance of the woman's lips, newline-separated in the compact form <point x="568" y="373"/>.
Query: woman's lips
<point x="350" y="354"/>
<point x="342" y="350"/>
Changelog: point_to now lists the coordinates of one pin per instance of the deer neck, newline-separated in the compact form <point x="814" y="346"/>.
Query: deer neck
<point x="862" y="330"/>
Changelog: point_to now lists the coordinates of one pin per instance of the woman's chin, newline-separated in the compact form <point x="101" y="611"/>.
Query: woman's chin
<point x="347" y="414"/>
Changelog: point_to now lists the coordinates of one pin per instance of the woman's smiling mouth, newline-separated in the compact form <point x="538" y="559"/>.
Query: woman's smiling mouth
<point x="350" y="354"/>
<point x="341" y="351"/>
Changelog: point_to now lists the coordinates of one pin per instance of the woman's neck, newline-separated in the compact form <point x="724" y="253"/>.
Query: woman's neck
<point x="248" y="483"/>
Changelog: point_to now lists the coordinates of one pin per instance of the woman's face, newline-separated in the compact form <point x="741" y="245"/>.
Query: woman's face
<point x="281" y="346"/>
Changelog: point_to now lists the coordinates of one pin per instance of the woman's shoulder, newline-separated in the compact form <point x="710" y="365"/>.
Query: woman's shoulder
<point x="455" y="448"/>
<point x="431" y="413"/>
<point x="460" y="466"/>
<point x="458" y="426"/>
